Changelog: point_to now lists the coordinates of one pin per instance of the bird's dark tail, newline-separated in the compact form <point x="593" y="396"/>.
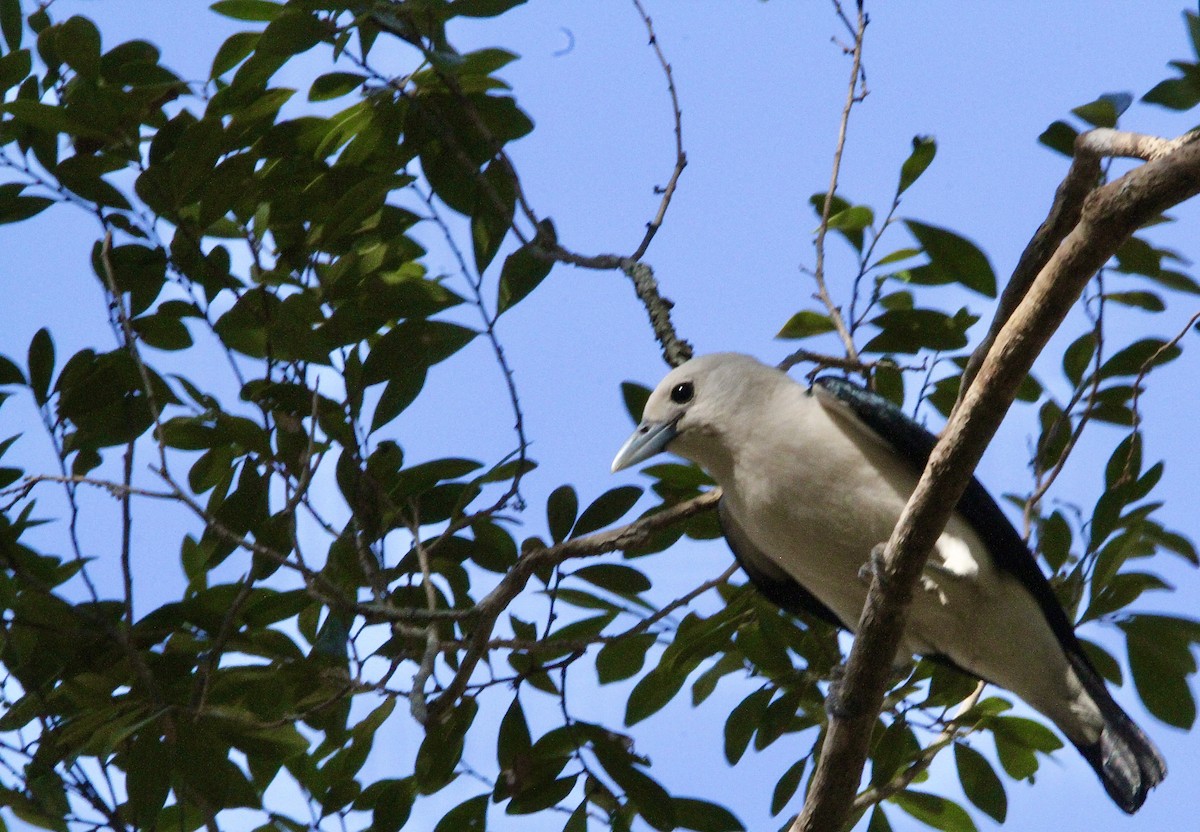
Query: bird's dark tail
<point x="1125" y="759"/>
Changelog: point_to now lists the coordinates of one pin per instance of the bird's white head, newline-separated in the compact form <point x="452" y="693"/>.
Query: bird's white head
<point x="695" y="406"/>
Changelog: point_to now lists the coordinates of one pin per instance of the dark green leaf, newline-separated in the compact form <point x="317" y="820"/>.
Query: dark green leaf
<point x="1143" y="354"/>
<point x="911" y="330"/>
<point x="1060" y="137"/>
<point x="236" y="48"/>
<point x="924" y="148"/>
<point x="704" y="816"/>
<point x="652" y="692"/>
<point x="1161" y="659"/>
<point x="952" y="259"/>
<point x="468" y="816"/>
<point x="11" y="23"/>
<point x="258" y="10"/>
<point x="524" y="269"/>
<point x="513" y="741"/>
<point x="743" y="721"/>
<point x="1141" y="300"/>
<point x="413" y="344"/>
<point x="400" y="391"/>
<point x="77" y="41"/>
<point x="334" y="85"/>
<point x="635" y="396"/>
<point x="785" y="789"/>
<point x="606" y="509"/>
<point x="624" y="658"/>
<point x="980" y="783"/>
<point x="615" y="577"/>
<point x="1177" y="93"/>
<point x="41" y="365"/>
<point x="935" y="811"/>
<point x="1078" y="356"/>
<point x="561" y="510"/>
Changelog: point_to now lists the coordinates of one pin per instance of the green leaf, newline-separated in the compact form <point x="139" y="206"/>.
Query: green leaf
<point x="490" y="222"/>
<point x="513" y="741"/>
<point x="398" y="394"/>
<point x="1177" y="93"/>
<point x="413" y="343"/>
<point x="854" y="218"/>
<point x="652" y="801"/>
<point x="561" y="510"/>
<point x="1143" y="354"/>
<point x="911" y="330"/>
<point x="980" y="783"/>
<point x="468" y="816"/>
<point x="77" y="41"/>
<point x="484" y="8"/>
<point x="524" y="269"/>
<point x="1078" y="356"/>
<point x="1141" y="300"/>
<point x="606" y="509"/>
<point x="11" y="23"/>
<point x="624" y="658"/>
<point x="785" y="789"/>
<point x="15" y="208"/>
<point x="391" y="804"/>
<point x="236" y="48"/>
<point x="147" y="777"/>
<point x="258" y="10"/>
<point x="1060" y="137"/>
<point x="805" y="324"/>
<point x="743" y="721"/>
<point x="935" y="811"/>
<point x="1161" y="659"/>
<point x="924" y="148"/>
<point x="615" y="577"/>
<point x="14" y="68"/>
<point x="334" y="85"/>
<point x="41" y="365"/>
<point x="652" y="692"/>
<point x="703" y="816"/>
<point x="1104" y="111"/>
<point x="896" y="256"/>
<point x="952" y="259"/>
<point x="634" y="396"/>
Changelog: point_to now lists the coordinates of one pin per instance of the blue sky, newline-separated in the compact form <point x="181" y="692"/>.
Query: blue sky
<point x="761" y="86"/>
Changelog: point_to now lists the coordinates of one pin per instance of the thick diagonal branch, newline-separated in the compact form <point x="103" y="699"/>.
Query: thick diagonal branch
<point x="1108" y="216"/>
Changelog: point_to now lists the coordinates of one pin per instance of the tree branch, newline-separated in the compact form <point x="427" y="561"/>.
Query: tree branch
<point x="489" y="609"/>
<point x="1107" y="218"/>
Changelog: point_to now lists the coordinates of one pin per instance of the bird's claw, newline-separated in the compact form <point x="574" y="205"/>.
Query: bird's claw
<point x="873" y="568"/>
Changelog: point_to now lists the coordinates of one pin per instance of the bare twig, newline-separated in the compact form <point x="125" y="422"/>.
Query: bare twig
<point x="954" y="729"/>
<point x="853" y="96"/>
<point x="416" y="699"/>
<point x="680" y="157"/>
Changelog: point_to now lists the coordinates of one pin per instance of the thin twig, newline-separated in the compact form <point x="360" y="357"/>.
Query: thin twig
<point x="680" y="157"/>
<point x="954" y="729"/>
<point x="853" y="96"/>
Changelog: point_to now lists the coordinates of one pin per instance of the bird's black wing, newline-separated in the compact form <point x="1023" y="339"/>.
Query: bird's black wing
<point x="780" y="588"/>
<point x="1128" y="763"/>
<point x="913" y="443"/>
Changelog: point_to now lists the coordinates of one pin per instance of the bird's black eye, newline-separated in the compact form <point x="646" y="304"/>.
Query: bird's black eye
<point x="682" y="393"/>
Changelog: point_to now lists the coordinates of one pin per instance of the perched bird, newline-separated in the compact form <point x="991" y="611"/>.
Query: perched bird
<point x="815" y="478"/>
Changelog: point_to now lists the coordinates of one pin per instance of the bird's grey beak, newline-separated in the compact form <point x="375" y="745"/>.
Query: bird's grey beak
<point x="649" y="439"/>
